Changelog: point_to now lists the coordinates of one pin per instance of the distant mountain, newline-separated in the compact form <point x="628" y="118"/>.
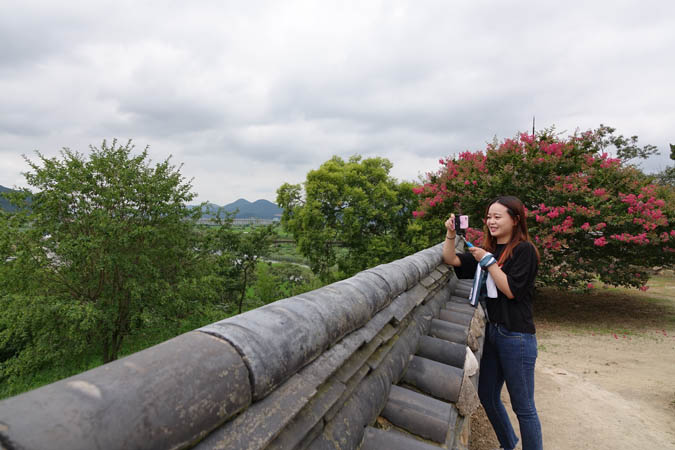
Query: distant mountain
<point x="261" y="209"/>
<point x="5" y="205"/>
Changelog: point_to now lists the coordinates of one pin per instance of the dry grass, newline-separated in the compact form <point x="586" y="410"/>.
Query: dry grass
<point x="607" y="309"/>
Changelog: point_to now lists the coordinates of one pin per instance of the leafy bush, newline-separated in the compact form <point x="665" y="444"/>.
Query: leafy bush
<point x="41" y="330"/>
<point x="275" y="281"/>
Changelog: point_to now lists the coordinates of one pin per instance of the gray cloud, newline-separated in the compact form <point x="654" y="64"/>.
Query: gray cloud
<point x="250" y="95"/>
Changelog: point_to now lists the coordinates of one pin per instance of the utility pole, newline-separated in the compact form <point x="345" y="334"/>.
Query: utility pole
<point x="532" y="125"/>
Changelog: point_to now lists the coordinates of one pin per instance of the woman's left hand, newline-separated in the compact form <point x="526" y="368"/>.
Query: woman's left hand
<point x="477" y="253"/>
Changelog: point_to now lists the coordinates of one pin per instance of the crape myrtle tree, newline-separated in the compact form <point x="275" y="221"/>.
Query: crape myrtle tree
<point x="106" y="241"/>
<point x="351" y="213"/>
<point x="590" y="214"/>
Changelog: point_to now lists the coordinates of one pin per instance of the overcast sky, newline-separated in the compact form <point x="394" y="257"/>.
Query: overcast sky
<point x="249" y="94"/>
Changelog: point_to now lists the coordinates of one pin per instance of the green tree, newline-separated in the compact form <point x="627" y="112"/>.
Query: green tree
<point x="238" y="253"/>
<point x="667" y="175"/>
<point x="351" y="213"/>
<point x="249" y="249"/>
<point x="274" y="281"/>
<point x="266" y="287"/>
<point x="106" y="240"/>
<point x="591" y="215"/>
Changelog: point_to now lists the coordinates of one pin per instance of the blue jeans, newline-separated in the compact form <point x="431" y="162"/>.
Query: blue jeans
<point x="510" y="356"/>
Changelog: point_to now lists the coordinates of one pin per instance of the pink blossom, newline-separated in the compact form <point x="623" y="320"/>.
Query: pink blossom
<point x="644" y="288"/>
<point x="600" y="242"/>
<point x="589" y="286"/>
<point x="526" y="138"/>
<point x="586" y="226"/>
<point x="474" y="235"/>
<point x="609" y="162"/>
<point x="640" y="239"/>
<point x="554" y="149"/>
<point x="564" y="227"/>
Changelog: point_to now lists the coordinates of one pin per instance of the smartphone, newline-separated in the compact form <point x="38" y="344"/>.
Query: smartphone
<point x="461" y="222"/>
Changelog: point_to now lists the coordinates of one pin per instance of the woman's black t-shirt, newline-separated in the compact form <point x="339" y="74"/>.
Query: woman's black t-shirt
<point x="520" y="269"/>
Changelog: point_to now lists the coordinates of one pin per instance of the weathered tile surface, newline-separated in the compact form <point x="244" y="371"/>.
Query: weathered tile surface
<point x="311" y="371"/>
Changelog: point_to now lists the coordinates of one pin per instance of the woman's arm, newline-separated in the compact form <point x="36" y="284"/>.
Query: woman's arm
<point x="449" y="255"/>
<point x="500" y="280"/>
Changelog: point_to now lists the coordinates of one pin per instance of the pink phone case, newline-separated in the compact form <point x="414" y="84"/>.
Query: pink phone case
<point x="463" y="222"/>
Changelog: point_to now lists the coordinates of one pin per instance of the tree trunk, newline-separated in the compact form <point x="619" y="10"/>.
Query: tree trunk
<point x="113" y="342"/>
<point x="106" y="350"/>
<point x="243" y="290"/>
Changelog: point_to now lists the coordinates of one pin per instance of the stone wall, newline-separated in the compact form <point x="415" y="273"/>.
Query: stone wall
<point x="387" y="358"/>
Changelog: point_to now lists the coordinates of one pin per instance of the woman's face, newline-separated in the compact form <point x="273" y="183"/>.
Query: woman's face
<point x="499" y="223"/>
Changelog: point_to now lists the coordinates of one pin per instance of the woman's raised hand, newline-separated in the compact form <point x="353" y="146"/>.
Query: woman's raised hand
<point x="450" y="226"/>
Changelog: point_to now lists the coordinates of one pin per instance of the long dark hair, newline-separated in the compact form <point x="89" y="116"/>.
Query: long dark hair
<point x="516" y="210"/>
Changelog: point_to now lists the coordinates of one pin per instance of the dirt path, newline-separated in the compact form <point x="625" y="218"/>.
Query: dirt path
<point x="605" y="375"/>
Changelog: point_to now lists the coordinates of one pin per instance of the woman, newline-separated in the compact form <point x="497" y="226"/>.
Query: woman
<point x="510" y="348"/>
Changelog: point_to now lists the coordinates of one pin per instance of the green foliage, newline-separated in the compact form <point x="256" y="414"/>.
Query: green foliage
<point x="49" y="350"/>
<point x="591" y="215"/>
<point x="354" y="204"/>
<point x="237" y="254"/>
<point x="627" y="149"/>
<point x="38" y="330"/>
<point x="265" y="288"/>
<point x="5" y="204"/>
<point x="106" y="239"/>
<point x="667" y="176"/>
<point x="274" y="281"/>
